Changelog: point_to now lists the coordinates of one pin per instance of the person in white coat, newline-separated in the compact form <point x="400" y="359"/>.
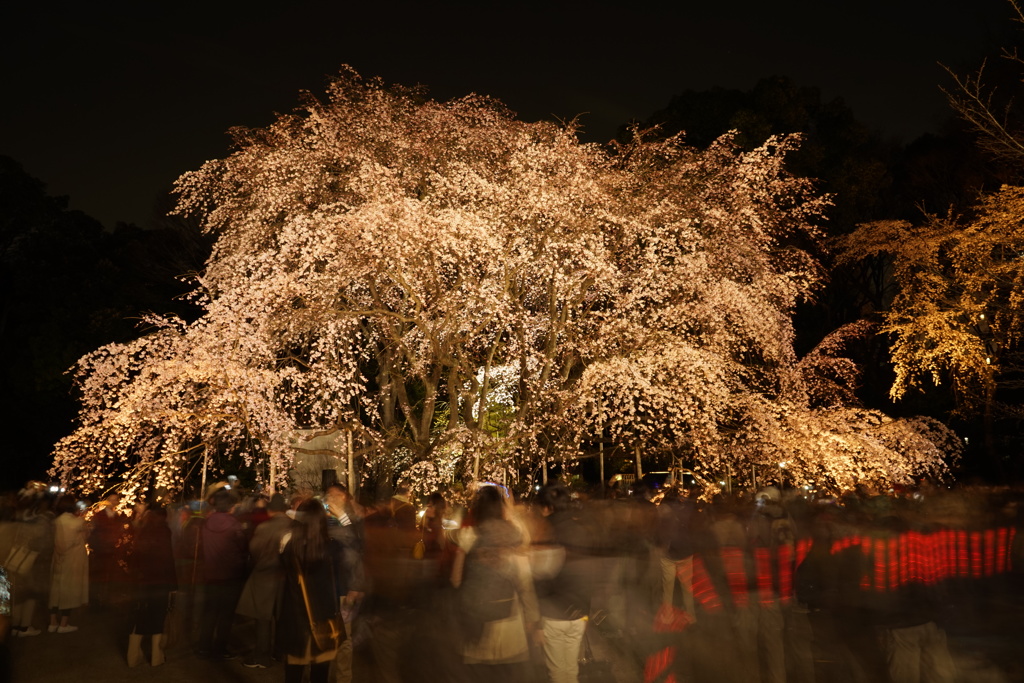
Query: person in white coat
<point x="69" y="579"/>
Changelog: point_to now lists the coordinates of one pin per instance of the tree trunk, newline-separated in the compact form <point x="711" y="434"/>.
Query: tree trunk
<point x="988" y="425"/>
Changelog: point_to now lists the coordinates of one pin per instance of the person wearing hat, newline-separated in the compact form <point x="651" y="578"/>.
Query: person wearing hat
<point x="261" y="594"/>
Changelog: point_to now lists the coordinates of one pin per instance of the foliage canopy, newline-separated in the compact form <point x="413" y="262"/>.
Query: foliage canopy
<point x="469" y="294"/>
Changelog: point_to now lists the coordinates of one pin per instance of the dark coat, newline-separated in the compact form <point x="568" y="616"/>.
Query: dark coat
<point x="261" y="595"/>
<point x="566" y="596"/>
<point x="348" y="548"/>
<point x="293" y="629"/>
<point x="675" y="530"/>
<point x="224" y="548"/>
<point x="152" y="572"/>
<point x="152" y="557"/>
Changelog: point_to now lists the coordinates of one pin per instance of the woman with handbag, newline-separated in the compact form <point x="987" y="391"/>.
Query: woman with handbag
<point x="309" y="628"/>
<point x="496" y="604"/>
<point x="32" y="541"/>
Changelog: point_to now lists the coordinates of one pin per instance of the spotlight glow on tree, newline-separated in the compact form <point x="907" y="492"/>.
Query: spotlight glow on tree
<point x="958" y="318"/>
<point x="461" y="288"/>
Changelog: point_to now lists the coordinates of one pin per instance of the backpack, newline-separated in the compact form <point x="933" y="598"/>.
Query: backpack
<point x="487" y="592"/>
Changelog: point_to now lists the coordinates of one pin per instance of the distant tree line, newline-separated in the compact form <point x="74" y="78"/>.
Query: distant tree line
<point x="68" y="285"/>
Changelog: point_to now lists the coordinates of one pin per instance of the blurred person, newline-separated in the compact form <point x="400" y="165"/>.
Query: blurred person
<point x="403" y="514"/>
<point x="644" y="562"/>
<point x="107" y="542"/>
<point x="69" y="576"/>
<point x="436" y="549"/>
<point x="344" y="526"/>
<point x="261" y="595"/>
<point x="827" y="584"/>
<point x="432" y="524"/>
<point x="8" y="539"/>
<point x="914" y="645"/>
<point x="384" y="624"/>
<point x="735" y="627"/>
<point x="497" y="604"/>
<point x="8" y="511"/>
<point x="783" y="631"/>
<point x="152" y="574"/>
<point x="5" y="627"/>
<point x="225" y="553"/>
<point x="310" y="597"/>
<point x="258" y="513"/>
<point x="675" y="522"/>
<point x="186" y="533"/>
<point x="611" y="553"/>
<point x="564" y="597"/>
<point x="26" y="523"/>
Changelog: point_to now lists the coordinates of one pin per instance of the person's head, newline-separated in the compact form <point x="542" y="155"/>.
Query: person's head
<point x="155" y="514"/>
<point x="337" y="493"/>
<point x="401" y="496"/>
<point x="66" y="504"/>
<point x="309" y="531"/>
<point x="277" y="504"/>
<point x="488" y="504"/>
<point x="312" y="513"/>
<point x="339" y="500"/>
<point x="554" y="498"/>
<point x="437" y="501"/>
<point x="223" y="500"/>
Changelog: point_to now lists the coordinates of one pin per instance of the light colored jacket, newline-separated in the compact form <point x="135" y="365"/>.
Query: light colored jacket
<point x="69" y="582"/>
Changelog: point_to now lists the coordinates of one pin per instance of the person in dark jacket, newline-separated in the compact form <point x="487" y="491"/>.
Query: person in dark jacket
<point x="261" y="595"/>
<point x="675" y="530"/>
<point x="106" y="548"/>
<point x="310" y="597"/>
<point x="345" y="528"/>
<point x="225" y="555"/>
<point x="152" y="576"/>
<point x="564" y="598"/>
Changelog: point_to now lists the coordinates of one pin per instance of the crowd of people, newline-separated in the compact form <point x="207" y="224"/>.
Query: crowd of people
<point x="769" y="587"/>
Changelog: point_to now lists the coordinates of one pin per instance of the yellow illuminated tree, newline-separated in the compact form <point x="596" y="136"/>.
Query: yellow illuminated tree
<point x="958" y="317"/>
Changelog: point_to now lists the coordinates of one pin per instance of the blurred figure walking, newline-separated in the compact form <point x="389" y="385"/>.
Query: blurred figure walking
<point x="496" y="599"/>
<point x="225" y="553"/>
<point x="564" y="597"/>
<point x="152" y="574"/>
<point x="261" y="596"/>
<point x="69" y="579"/>
<point x="309" y="626"/>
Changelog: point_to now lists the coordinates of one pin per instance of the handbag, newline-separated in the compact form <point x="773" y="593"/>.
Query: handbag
<point x="327" y="633"/>
<point x="20" y="560"/>
<point x="593" y="670"/>
<point x="175" y="631"/>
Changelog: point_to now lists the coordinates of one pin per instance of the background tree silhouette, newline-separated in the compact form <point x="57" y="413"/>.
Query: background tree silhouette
<point x="67" y="286"/>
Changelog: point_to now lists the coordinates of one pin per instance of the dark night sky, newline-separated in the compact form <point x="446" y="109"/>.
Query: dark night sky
<point x="109" y="102"/>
